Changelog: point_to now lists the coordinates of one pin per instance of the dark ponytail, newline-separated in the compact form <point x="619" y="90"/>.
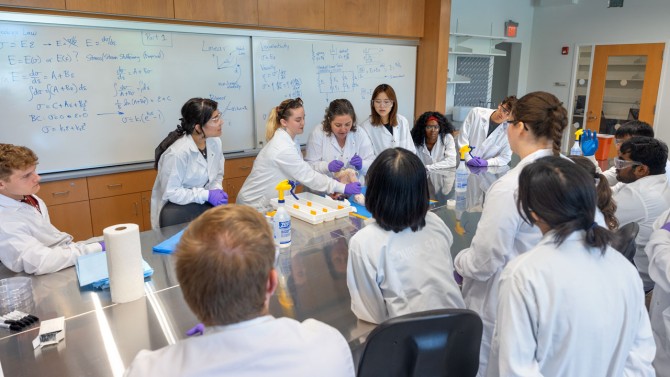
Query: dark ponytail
<point x="562" y="195"/>
<point x="544" y="115"/>
<point x="606" y="203"/>
<point x="195" y="111"/>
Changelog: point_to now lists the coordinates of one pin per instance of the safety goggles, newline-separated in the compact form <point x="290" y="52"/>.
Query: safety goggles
<point x="622" y="164"/>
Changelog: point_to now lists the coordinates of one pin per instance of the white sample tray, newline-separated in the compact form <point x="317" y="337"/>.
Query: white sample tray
<point x="313" y="208"/>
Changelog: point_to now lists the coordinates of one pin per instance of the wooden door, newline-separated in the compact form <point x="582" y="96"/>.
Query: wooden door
<point x="624" y="85"/>
<point x="116" y="210"/>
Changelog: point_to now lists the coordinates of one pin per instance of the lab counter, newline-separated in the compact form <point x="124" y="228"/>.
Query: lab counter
<point x="102" y="338"/>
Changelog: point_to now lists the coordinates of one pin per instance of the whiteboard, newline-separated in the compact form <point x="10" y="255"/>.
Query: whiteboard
<point x="320" y="71"/>
<point x="84" y="97"/>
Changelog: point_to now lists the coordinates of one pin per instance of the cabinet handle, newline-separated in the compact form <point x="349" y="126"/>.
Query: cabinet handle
<point x="114" y="185"/>
<point x="60" y="193"/>
<point x="136" y="212"/>
<point x="245" y="167"/>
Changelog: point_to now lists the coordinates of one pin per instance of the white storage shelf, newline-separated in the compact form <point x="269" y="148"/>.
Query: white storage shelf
<point x="470" y="44"/>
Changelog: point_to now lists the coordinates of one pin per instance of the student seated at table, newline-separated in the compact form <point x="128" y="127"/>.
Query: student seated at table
<point x="658" y="251"/>
<point x="224" y="265"/>
<point x="281" y="159"/>
<point x="190" y="164"/>
<point x="433" y="137"/>
<point x="646" y="193"/>
<point x="28" y="240"/>
<point x="571" y="305"/>
<point x="401" y="263"/>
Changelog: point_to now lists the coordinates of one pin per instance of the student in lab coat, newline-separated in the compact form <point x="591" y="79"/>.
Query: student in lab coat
<point x="606" y="202"/>
<point x="539" y="121"/>
<point x="28" y="241"/>
<point x="401" y="263"/>
<point x="281" y="159"/>
<point x="484" y="131"/>
<point x="337" y="143"/>
<point x="387" y="128"/>
<point x="190" y="163"/>
<point x="658" y="251"/>
<point x="433" y="137"/>
<point x="572" y="305"/>
<point x="646" y="194"/>
<point x="224" y="265"/>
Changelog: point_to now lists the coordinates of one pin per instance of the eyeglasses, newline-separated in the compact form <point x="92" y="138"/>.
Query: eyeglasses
<point x="622" y="164"/>
<point x="383" y="102"/>
<point x="215" y="118"/>
<point x="618" y="141"/>
<point x="504" y="110"/>
<point x="432" y="128"/>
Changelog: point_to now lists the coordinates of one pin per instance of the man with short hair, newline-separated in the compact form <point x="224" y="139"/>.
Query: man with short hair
<point x="28" y="240"/>
<point x="224" y="264"/>
<point x="646" y="194"/>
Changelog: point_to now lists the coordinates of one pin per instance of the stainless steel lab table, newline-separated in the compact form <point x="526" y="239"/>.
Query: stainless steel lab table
<point x="102" y="338"/>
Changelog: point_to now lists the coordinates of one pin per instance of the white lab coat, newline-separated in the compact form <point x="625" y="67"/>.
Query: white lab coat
<point x="184" y="176"/>
<point x="382" y="139"/>
<point x="479" y="183"/>
<point x="569" y="310"/>
<point x="263" y="346"/>
<point x="643" y="201"/>
<point x="658" y="251"/>
<point x="495" y="148"/>
<point x="30" y="243"/>
<point x="322" y="149"/>
<point x="442" y="156"/>
<point x="281" y="159"/>
<point x="390" y="274"/>
<point x="501" y="235"/>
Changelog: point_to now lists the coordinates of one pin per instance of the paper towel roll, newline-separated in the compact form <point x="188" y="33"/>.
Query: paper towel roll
<point x="124" y="262"/>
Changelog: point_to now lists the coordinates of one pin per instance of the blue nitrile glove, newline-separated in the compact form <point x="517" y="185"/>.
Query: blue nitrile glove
<point x="477" y="161"/>
<point x="356" y="162"/>
<point x="102" y="243"/>
<point x="199" y="329"/>
<point x="335" y="166"/>
<point x="217" y="197"/>
<point x="666" y="226"/>
<point x="352" y="188"/>
<point x="589" y="142"/>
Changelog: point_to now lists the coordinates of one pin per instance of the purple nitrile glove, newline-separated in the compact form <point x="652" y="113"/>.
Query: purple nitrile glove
<point x="102" y="243"/>
<point x="352" y="188"/>
<point x="458" y="278"/>
<point x="335" y="166"/>
<point x="356" y="162"/>
<point x="477" y="161"/>
<point x="199" y="329"/>
<point x="666" y="226"/>
<point x="477" y="169"/>
<point x="217" y="197"/>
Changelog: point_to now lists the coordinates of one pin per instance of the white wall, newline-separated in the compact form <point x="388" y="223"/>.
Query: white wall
<point x="487" y="17"/>
<point x="591" y="22"/>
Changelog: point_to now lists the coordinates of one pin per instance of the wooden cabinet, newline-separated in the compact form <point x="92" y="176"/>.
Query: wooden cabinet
<point x="47" y="4"/>
<point x="229" y="11"/>
<point x="362" y="16"/>
<point x="68" y="206"/>
<point x="145" y="8"/>
<point x="235" y="173"/>
<point x="121" y="198"/>
<point x="401" y="17"/>
<point x="294" y="14"/>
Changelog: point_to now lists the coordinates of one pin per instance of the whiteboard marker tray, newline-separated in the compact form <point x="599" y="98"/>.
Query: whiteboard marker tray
<point x="315" y="209"/>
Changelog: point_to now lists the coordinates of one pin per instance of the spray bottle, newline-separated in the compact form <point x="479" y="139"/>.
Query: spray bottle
<point x="282" y="220"/>
<point x="576" y="149"/>
<point x="462" y="172"/>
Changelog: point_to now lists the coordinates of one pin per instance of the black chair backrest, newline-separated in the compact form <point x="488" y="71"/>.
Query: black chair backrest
<point x="624" y="240"/>
<point x="441" y="342"/>
<point x="173" y="214"/>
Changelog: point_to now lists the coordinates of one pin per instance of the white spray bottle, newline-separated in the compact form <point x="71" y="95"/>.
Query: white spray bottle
<point x="282" y="220"/>
<point x="576" y="149"/>
<point x="462" y="172"/>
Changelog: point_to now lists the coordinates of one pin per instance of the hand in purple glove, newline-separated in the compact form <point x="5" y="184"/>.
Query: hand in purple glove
<point x="102" y="243"/>
<point x="352" y="188"/>
<point x="356" y="162"/>
<point x="458" y="278"/>
<point x="477" y="169"/>
<point x="335" y="166"/>
<point x="477" y="161"/>
<point x="217" y="197"/>
<point x="199" y="329"/>
<point x="666" y="226"/>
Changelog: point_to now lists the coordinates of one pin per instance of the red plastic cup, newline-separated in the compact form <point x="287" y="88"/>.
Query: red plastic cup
<point x="604" y="146"/>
